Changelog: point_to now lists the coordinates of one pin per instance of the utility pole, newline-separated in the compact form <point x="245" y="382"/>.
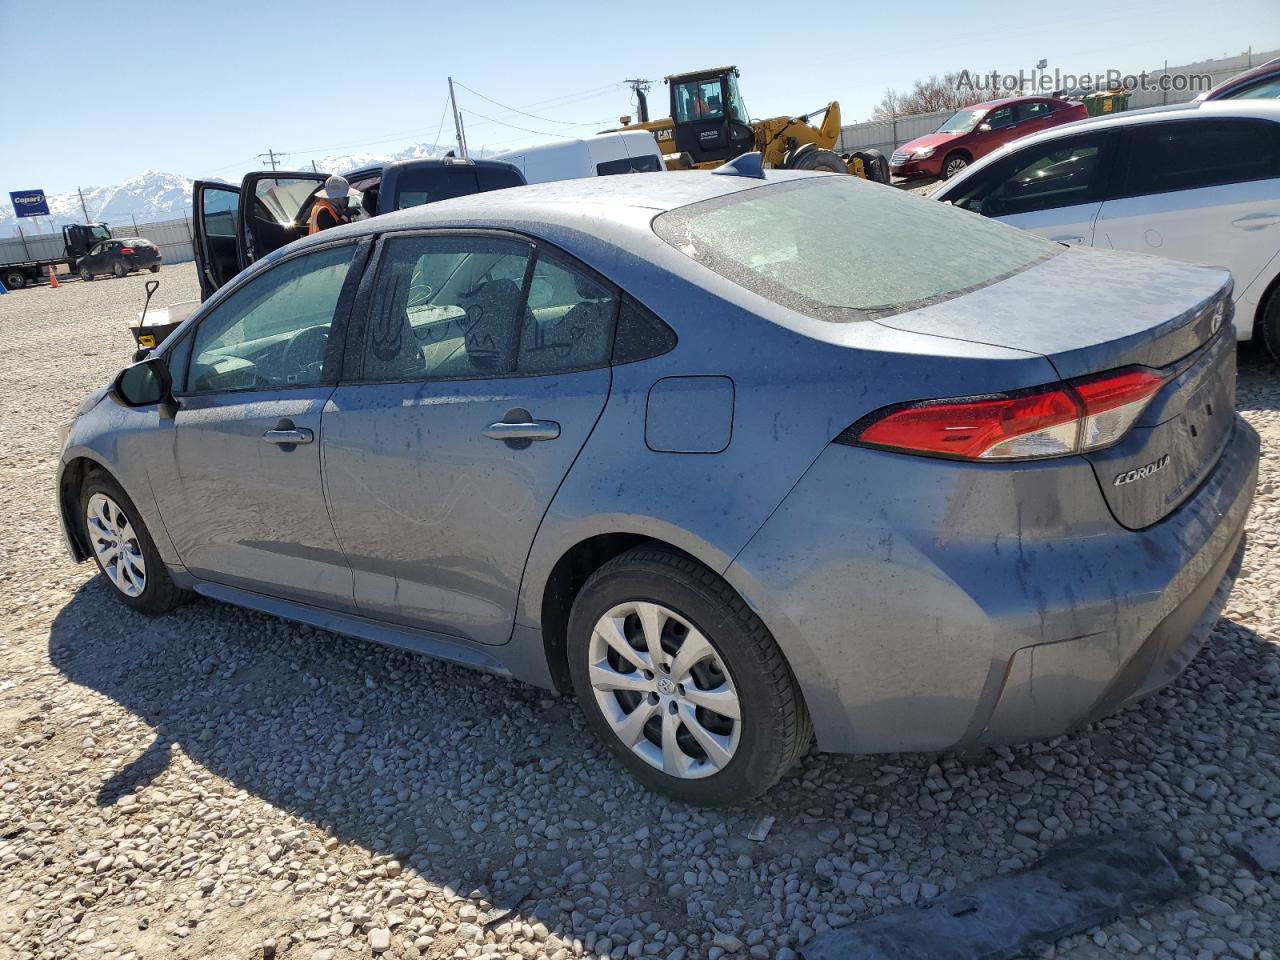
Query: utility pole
<point x="313" y="167"/>
<point x="640" y="88"/>
<point x="270" y="156"/>
<point x="457" y="123"/>
<point x="82" y="206"/>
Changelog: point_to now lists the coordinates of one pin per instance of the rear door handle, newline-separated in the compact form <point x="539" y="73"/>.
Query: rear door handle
<point x="1256" y="221"/>
<point x="289" y="437"/>
<point x="529" y="430"/>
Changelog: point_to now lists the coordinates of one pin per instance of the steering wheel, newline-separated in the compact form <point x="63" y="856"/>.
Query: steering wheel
<point x="306" y="350"/>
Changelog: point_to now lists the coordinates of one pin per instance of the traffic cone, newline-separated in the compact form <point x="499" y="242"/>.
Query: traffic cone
<point x="53" y="277"/>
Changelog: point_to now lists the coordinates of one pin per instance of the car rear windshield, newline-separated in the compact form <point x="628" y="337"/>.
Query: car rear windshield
<point x="841" y="248"/>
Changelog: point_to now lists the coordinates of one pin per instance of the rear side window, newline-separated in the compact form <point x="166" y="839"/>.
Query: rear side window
<point x="841" y="248"/>
<point x="498" y="178"/>
<point x="461" y="307"/>
<point x="1187" y="154"/>
<point x="1036" y="108"/>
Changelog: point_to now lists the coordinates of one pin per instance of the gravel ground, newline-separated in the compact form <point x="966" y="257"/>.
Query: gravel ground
<point x="218" y="783"/>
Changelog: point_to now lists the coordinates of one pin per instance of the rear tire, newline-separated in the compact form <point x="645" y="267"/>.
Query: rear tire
<point x="817" y="158"/>
<point x="654" y="712"/>
<point x="120" y="270"/>
<point x="1271" y="324"/>
<point x="954" y="163"/>
<point x="154" y="268"/>
<point x="123" y="549"/>
<point x="13" y="280"/>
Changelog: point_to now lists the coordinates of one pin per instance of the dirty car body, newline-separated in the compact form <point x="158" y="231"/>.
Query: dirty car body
<point x="982" y="492"/>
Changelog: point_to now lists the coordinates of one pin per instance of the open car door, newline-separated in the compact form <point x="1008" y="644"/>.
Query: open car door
<point x="274" y="209"/>
<point x="214" y="207"/>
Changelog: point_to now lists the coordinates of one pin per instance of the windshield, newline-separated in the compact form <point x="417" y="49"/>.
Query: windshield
<point x="1266" y="90"/>
<point x="841" y="248"/>
<point x="962" y="121"/>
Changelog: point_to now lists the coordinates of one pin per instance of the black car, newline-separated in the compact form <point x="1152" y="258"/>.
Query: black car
<point x="119" y="257"/>
<point x="237" y="225"/>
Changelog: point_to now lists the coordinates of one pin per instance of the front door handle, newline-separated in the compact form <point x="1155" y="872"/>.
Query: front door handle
<point x="1256" y="221"/>
<point x="289" y="438"/>
<point x="1076" y="240"/>
<point x="528" y="430"/>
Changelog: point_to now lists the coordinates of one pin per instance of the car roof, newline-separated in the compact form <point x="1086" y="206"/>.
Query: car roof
<point x="1004" y="101"/>
<point x="617" y="207"/>
<point x="422" y="162"/>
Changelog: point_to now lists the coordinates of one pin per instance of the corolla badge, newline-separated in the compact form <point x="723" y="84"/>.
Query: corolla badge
<point x="1140" y="473"/>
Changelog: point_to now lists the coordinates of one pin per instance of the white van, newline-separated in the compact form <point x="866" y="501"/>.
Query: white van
<point x="628" y="151"/>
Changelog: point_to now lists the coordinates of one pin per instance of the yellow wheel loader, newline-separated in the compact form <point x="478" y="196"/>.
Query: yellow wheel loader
<point x="709" y="126"/>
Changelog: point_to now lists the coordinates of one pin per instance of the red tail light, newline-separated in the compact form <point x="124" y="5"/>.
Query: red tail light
<point x="1046" y="422"/>
<point x="126" y="249"/>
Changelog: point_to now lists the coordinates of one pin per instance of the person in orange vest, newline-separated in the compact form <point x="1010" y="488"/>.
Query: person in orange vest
<point x="330" y="208"/>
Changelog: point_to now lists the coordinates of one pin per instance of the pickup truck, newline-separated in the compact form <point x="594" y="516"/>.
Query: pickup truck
<point x="234" y="226"/>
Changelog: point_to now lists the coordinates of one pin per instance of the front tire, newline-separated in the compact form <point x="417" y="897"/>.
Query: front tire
<point x="14" y="280"/>
<point x="954" y="164"/>
<point x="816" y="158"/>
<point x="123" y="549"/>
<point x="86" y="274"/>
<point x="682" y="681"/>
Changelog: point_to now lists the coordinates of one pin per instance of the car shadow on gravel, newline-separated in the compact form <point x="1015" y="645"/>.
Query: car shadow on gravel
<point x="474" y="780"/>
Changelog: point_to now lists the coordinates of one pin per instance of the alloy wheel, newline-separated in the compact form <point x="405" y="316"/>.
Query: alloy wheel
<point x="664" y="690"/>
<point x="115" y="544"/>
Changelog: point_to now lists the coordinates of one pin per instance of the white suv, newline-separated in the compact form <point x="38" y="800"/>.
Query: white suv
<point x="1196" y="182"/>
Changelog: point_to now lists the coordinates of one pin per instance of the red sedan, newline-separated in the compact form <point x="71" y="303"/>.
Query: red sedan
<point x="977" y="130"/>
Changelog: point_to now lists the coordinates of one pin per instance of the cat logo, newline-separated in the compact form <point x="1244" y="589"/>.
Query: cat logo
<point x="666" y="133"/>
<point x="1141" y="473"/>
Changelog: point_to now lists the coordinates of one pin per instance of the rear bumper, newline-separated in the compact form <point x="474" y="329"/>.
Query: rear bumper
<point x="979" y="605"/>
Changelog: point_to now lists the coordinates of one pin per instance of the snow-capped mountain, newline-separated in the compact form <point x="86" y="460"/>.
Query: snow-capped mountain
<point x="147" y="197"/>
<point x="153" y="195"/>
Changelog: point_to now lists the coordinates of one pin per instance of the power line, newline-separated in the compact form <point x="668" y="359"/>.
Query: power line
<point x="523" y="113"/>
<point x="271" y="155"/>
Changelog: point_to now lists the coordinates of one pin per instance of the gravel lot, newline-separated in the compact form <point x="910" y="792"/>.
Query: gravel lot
<point x="218" y="783"/>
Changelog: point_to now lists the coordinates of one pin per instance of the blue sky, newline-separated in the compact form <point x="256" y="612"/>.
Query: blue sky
<point x="201" y="89"/>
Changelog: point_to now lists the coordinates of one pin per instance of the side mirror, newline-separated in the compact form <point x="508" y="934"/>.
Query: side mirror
<point x="145" y="383"/>
<point x="984" y="128"/>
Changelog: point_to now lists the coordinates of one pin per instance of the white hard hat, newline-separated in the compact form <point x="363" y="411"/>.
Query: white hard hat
<point x="336" y="188"/>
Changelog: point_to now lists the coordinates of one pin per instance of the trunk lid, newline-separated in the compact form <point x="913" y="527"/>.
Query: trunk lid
<point x="1089" y="312"/>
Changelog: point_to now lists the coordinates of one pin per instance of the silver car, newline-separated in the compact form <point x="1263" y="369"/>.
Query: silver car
<point x="738" y="461"/>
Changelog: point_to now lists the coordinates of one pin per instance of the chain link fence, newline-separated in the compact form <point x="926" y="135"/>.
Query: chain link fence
<point x="173" y="237"/>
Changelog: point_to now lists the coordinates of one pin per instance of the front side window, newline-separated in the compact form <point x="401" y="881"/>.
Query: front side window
<point x="1187" y="154"/>
<point x="463" y="307"/>
<point x="1000" y="118"/>
<point x="844" y="249"/>
<point x="274" y="330"/>
<point x="1057" y="173"/>
<point x="1265" y="90"/>
<point x="698" y="100"/>
<point x="962" y="121"/>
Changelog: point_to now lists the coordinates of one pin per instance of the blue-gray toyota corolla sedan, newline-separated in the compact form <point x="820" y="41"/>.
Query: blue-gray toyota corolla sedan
<point x="738" y="461"/>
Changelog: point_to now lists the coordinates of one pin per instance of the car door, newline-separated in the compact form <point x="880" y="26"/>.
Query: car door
<point x="274" y="210"/>
<point x="479" y="370"/>
<point x="240" y="491"/>
<point x="215" y="212"/>
<point x="92" y="261"/>
<point x="1054" y="188"/>
<point x="1205" y="189"/>
<point x="1032" y="115"/>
